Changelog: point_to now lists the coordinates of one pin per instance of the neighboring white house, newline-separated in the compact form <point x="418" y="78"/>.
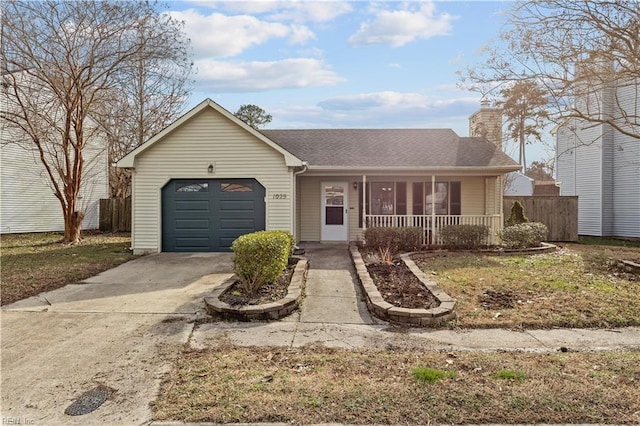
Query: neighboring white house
<point x="602" y="165"/>
<point x="208" y="178"/>
<point x="518" y="185"/>
<point x="27" y="200"/>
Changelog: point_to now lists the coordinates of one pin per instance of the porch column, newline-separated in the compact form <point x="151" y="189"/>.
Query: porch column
<point x="364" y="204"/>
<point x="433" y="209"/>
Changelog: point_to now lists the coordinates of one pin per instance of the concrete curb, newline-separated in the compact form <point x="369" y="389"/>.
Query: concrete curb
<point x="268" y="311"/>
<point x="413" y="317"/>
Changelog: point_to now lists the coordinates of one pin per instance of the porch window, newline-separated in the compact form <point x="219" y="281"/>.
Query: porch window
<point x="446" y="200"/>
<point x="382" y="198"/>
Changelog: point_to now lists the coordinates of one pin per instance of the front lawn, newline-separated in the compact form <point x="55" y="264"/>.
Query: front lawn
<point x="576" y="286"/>
<point x="33" y="263"/>
<point x="318" y="385"/>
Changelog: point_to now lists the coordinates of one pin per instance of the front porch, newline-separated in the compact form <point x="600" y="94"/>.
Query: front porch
<point x="432" y="224"/>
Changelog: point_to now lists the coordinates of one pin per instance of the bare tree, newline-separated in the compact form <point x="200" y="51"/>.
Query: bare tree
<point x="540" y="170"/>
<point x="582" y="53"/>
<point x="523" y="106"/>
<point x="253" y="115"/>
<point x="148" y="96"/>
<point x="62" y="62"/>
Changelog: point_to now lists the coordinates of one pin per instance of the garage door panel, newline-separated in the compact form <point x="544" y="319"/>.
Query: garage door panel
<point x="192" y="244"/>
<point x="237" y="205"/>
<point x="237" y="224"/>
<point x="192" y="224"/>
<point x="202" y="206"/>
<point x="209" y="214"/>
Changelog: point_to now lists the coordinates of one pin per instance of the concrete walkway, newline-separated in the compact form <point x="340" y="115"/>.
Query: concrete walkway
<point x="332" y="293"/>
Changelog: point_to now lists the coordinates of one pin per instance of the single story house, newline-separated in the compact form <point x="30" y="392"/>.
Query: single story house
<point x="208" y="178"/>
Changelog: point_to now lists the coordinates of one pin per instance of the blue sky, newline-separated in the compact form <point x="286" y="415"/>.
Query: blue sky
<point x="334" y="64"/>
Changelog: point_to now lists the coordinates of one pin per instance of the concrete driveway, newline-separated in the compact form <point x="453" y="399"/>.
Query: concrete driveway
<point x="120" y="329"/>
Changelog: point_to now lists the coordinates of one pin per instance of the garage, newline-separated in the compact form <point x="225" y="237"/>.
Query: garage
<point x="200" y="215"/>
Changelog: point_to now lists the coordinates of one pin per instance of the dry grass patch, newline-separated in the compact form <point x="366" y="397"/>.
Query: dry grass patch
<point x="576" y="286"/>
<point x="33" y="263"/>
<point x="319" y="385"/>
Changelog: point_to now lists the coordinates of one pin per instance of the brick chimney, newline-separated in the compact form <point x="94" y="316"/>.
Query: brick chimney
<point x="487" y="123"/>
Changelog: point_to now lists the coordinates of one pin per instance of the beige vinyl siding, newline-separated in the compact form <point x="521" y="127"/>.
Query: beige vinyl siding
<point x="310" y="208"/>
<point x="28" y="203"/>
<point x="207" y="138"/>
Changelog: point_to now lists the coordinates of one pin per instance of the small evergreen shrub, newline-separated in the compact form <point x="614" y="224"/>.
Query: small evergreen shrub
<point x="260" y="258"/>
<point x="393" y="240"/>
<point x="465" y="236"/>
<point x="524" y="235"/>
<point x="516" y="215"/>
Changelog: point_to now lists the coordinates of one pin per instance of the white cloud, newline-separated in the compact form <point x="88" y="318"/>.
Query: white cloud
<point x="292" y="11"/>
<point x="227" y="77"/>
<point x="399" y="27"/>
<point x="217" y="35"/>
<point x="382" y="110"/>
<point x="394" y="65"/>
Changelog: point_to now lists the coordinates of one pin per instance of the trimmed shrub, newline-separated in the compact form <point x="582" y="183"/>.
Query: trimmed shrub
<point x="524" y="235"/>
<point x="516" y="215"/>
<point x="260" y="258"/>
<point x="465" y="236"/>
<point x="394" y="240"/>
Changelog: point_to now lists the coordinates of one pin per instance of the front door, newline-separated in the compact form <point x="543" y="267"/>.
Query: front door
<point x="334" y="211"/>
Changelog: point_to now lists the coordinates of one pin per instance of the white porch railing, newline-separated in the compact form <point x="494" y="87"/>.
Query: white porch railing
<point x="431" y="225"/>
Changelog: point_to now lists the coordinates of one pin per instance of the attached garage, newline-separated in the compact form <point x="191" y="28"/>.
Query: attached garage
<point x="200" y="215"/>
<point x="207" y="179"/>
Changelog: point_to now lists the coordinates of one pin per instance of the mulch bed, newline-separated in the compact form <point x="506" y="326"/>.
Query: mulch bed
<point x="267" y="294"/>
<point x="399" y="286"/>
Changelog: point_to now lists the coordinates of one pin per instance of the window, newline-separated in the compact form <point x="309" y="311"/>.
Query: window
<point x="192" y="187"/>
<point x="382" y="198"/>
<point x="446" y="200"/>
<point x="235" y="187"/>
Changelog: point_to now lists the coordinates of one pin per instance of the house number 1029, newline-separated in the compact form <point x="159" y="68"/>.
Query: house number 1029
<point x="279" y="196"/>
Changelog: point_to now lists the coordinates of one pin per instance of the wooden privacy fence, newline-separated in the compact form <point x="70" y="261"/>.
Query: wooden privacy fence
<point x="115" y="214"/>
<point x="560" y="214"/>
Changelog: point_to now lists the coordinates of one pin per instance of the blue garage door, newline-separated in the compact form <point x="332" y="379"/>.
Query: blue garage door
<point x="208" y="214"/>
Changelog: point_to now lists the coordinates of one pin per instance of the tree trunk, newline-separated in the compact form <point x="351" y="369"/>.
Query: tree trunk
<point x="73" y="226"/>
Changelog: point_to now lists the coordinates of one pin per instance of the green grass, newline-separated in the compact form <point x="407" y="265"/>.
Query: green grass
<point x="432" y="375"/>
<point x="518" y="376"/>
<point x="33" y="263"/>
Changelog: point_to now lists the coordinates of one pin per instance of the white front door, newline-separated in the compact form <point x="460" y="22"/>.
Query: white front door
<point x="335" y="207"/>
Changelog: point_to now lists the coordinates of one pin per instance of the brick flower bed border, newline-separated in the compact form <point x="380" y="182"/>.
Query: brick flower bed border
<point x="268" y="311"/>
<point x="386" y="311"/>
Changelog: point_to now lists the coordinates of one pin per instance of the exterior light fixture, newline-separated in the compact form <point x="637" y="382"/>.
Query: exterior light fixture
<point x="210" y="168"/>
<point x="355" y="185"/>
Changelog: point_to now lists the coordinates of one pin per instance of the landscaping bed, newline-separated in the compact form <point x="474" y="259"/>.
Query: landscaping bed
<point x="399" y="286"/>
<point x="274" y="300"/>
<point x="270" y="292"/>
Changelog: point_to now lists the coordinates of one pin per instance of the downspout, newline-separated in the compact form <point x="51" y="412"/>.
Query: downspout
<point x="294" y="201"/>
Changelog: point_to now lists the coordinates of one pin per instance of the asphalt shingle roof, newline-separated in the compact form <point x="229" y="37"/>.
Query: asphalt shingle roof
<point x="388" y="148"/>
